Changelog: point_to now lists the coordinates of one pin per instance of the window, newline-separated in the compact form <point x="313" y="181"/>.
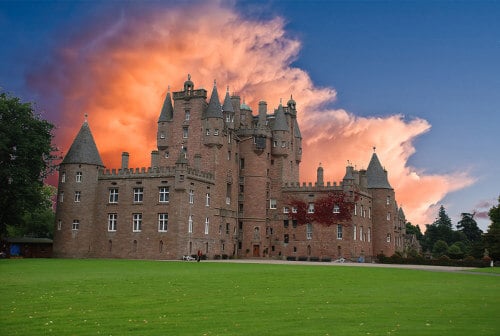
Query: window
<point x="190" y="224"/>
<point x="227" y="228"/>
<point x="286" y="239"/>
<point x="162" y="135"/>
<point x="285" y="223"/>
<point x="59" y="225"/>
<point x="76" y="225"/>
<point x="185" y="132"/>
<point x="242" y="163"/>
<point x="164" y="194"/>
<point x="191" y="196"/>
<point x="162" y="222"/>
<point x="361" y="233"/>
<point x="113" y="195"/>
<point x="388" y="216"/>
<point x="78" y="195"/>
<point x="310" y="208"/>
<point x="187" y="115"/>
<point x="138" y="195"/>
<point x="61" y="197"/>
<point x="336" y="209"/>
<point x="388" y="201"/>
<point x="369" y="235"/>
<point x="112" y="221"/>
<point x="207" y="199"/>
<point x="309" y="231"/>
<point x="388" y="237"/>
<point x="369" y="212"/>
<point x="207" y="223"/>
<point x="339" y="231"/>
<point x="355" y="209"/>
<point x="294" y="209"/>
<point x="63" y="177"/>
<point x="275" y="143"/>
<point x="216" y="131"/>
<point x="79" y="176"/>
<point x="354" y="232"/>
<point x="283" y="144"/>
<point x="207" y="131"/>
<point x="137" y="222"/>
<point x="286" y="210"/>
<point x="228" y="200"/>
<point x="167" y="154"/>
<point x="361" y="211"/>
<point x="228" y="117"/>
<point x="272" y="203"/>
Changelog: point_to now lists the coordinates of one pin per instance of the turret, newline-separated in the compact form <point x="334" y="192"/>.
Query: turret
<point x="228" y="110"/>
<point x="213" y="121"/>
<point x="166" y="116"/>
<point x="319" y="177"/>
<point x="280" y="133"/>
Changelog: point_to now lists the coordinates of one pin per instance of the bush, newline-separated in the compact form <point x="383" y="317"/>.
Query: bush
<point x="302" y="258"/>
<point x="225" y="256"/>
<point x="326" y="259"/>
<point x="313" y="258"/>
<point x="291" y="258"/>
<point x="217" y="257"/>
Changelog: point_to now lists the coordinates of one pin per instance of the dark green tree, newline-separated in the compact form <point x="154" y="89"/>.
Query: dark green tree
<point x="468" y="226"/>
<point x="439" y="248"/>
<point x="441" y="229"/>
<point x="492" y="236"/>
<point x="26" y="156"/>
<point x="414" y="229"/>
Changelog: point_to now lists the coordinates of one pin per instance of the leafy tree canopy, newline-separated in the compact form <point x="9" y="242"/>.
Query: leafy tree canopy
<point x="26" y="155"/>
<point x="492" y="236"/>
<point x="468" y="226"/>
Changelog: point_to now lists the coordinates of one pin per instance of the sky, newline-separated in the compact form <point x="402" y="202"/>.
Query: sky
<point x="417" y="80"/>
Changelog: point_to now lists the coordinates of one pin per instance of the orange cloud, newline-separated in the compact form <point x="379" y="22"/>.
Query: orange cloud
<point x="118" y="73"/>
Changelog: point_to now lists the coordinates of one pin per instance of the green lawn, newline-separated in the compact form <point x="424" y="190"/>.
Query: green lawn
<point x="123" y="297"/>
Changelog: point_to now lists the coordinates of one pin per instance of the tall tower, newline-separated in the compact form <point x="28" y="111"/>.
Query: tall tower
<point x="384" y="207"/>
<point x="76" y="206"/>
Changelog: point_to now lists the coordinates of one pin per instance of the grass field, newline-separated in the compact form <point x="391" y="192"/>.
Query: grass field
<point x="124" y="297"/>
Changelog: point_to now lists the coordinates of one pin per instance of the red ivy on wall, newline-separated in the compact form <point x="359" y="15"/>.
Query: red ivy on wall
<point x="332" y="209"/>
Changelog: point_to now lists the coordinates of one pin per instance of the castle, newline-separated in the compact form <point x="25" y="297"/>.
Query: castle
<point x="225" y="182"/>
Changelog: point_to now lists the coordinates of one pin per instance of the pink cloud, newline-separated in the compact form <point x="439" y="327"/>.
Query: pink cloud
<point x="118" y="73"/>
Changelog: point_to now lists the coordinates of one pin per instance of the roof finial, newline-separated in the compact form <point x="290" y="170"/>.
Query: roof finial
<point x="281" y="100"/>
<point x="227" y="89"/>
<point x="85" y="120"/>
<point x="189" y="76"/>
<point x="320" y="164"/>
<point x="374" y="149"/>
<point x="168" y="89"/>
<point x="215" y="82"/>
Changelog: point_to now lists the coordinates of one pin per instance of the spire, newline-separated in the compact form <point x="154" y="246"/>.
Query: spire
<point x="377" y="176"/>
<point x="167" y="111"/>
<point x="280" y="123"/>
<point x="83" y="149"/>
<point x="228" y="106"/>
<point x="348" y="172"/>
<point x="214" y="109"/>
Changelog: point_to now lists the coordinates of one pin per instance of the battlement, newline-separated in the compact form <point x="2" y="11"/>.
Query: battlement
<point x="310" y="186"/>
<point x="143" y="172"/>
<point x="199" y="93"/>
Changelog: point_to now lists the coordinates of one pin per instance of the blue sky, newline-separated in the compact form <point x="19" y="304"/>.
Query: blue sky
<point x="435" y="60"/>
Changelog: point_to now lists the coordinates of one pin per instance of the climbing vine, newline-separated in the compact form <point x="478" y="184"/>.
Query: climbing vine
<point x="334" y="208"/>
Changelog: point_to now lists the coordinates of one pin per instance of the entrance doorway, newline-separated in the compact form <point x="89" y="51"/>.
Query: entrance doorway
<point x="256" y="251"/>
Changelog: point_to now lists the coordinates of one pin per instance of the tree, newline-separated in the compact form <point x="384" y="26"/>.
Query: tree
<point x="469" y="227"/>
<point x="492" y="236"/>
<point x="26" y="156"/>
<point x="440" y="248"/>
<point x="441" y="229"/>
<point x="414" y="229"/>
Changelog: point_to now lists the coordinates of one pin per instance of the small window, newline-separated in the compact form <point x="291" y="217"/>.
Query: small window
<point x="310" y="208"/>
<point x="227" y="228"/>
<point x="207" y="224"/>
<point x="167" y="154"/>
<point x="369" y="235"/>
<point x="187" y="115"/>
<point x="138" y="195"/>
<point x="79" y="176"/>
<point x="61" y="197"/>
<point x="216" y="131"/>
<point x="112" y="221"/>
<point x="137" y="222"/>
<point x="191" y="196"/>
<point x="309" y="231"/>
<point x="339" y="231"/>
<point x="113" y="195"/>
<point x="164" y="194"/>
<point x="336" y="209"/>
<point x="283" y="144"/>
<point x="294" y="223"/>
<point x="76" y="225"/>
<point x="59" y="225"/>
<point x="388" y="216"/>
<point x="185" y="132"/>
<point x="286" y="239"/>
<point x="63" y="177"/>
<point x="207" y="131"/>
<point x="388" y="237"/>
<point x="162" y="135"/>
<point x="272" y="203"/>
<point x="388" y="201"/>
<point x="294" y="209"/>
<point x="286" y="210"/>
<point x="354" y="232"/>
<point x="361" y="233"/>
<point x="275" y="143"/>
<point x="162" y="222"/>
<point x="78" y="195"/>
<point x="285" y="223"/>
<point x="190" y="224"/>
<point x="207" y="199"/>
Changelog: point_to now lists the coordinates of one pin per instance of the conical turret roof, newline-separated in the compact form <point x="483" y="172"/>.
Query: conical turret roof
<point x="280" y="123"/>
<point x="167" y="111"/>
<point x="83" y="149"/>
<point x="227" y="106"/>
<point x="214" y="109"/>
<point x="296" y="129"/>
<point x="376" y="175"/>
